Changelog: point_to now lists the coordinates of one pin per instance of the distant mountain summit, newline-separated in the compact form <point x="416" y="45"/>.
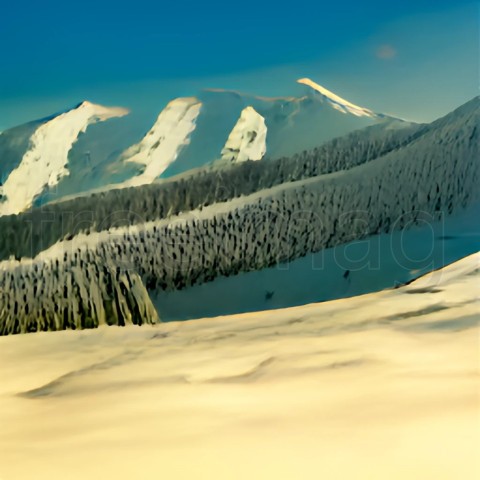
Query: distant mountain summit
<point x="337" y="102"/>
<point x="93" y="147"/>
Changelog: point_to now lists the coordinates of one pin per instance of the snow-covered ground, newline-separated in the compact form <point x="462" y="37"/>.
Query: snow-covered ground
<point x="45" y="163"/>
<point x="372" y="387"/>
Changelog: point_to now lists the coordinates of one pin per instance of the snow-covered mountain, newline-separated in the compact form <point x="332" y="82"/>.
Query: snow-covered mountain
<point x="66" y="154"/>
<point x="45" y="162"/>
<point x="337" y="102"/>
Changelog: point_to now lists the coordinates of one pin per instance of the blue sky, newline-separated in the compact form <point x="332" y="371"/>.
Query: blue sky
<point x="414" y="59"/>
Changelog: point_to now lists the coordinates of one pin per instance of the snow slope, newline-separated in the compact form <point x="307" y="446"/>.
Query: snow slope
<point x="45" y="163"/>
<point x="162" y="144"/>
<point x="247" y="140"/>
<point x="337" y="102"/>
<point x="371" y="387"/>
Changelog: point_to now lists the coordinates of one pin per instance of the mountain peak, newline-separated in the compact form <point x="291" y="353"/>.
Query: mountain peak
<point x="338" y="102"/>
<point x="45" y="162"/>
<point x="247" y="140"/>
<point x="100" y="111"/>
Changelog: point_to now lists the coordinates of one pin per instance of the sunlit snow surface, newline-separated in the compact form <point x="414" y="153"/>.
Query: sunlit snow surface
<point x="162" y="144"/>
<point x="337" y="102"/>
<point x="45" y="163"/>
<point x="247" y="140"/>
<point x="379" y="386"/>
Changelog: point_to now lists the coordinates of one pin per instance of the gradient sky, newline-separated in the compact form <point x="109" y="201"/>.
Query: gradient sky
<point x="416" y="59"/>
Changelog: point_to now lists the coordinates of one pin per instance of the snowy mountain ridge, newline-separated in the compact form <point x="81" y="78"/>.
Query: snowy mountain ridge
<point x="337" y="102"/>
<point x="60" y="157"/>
